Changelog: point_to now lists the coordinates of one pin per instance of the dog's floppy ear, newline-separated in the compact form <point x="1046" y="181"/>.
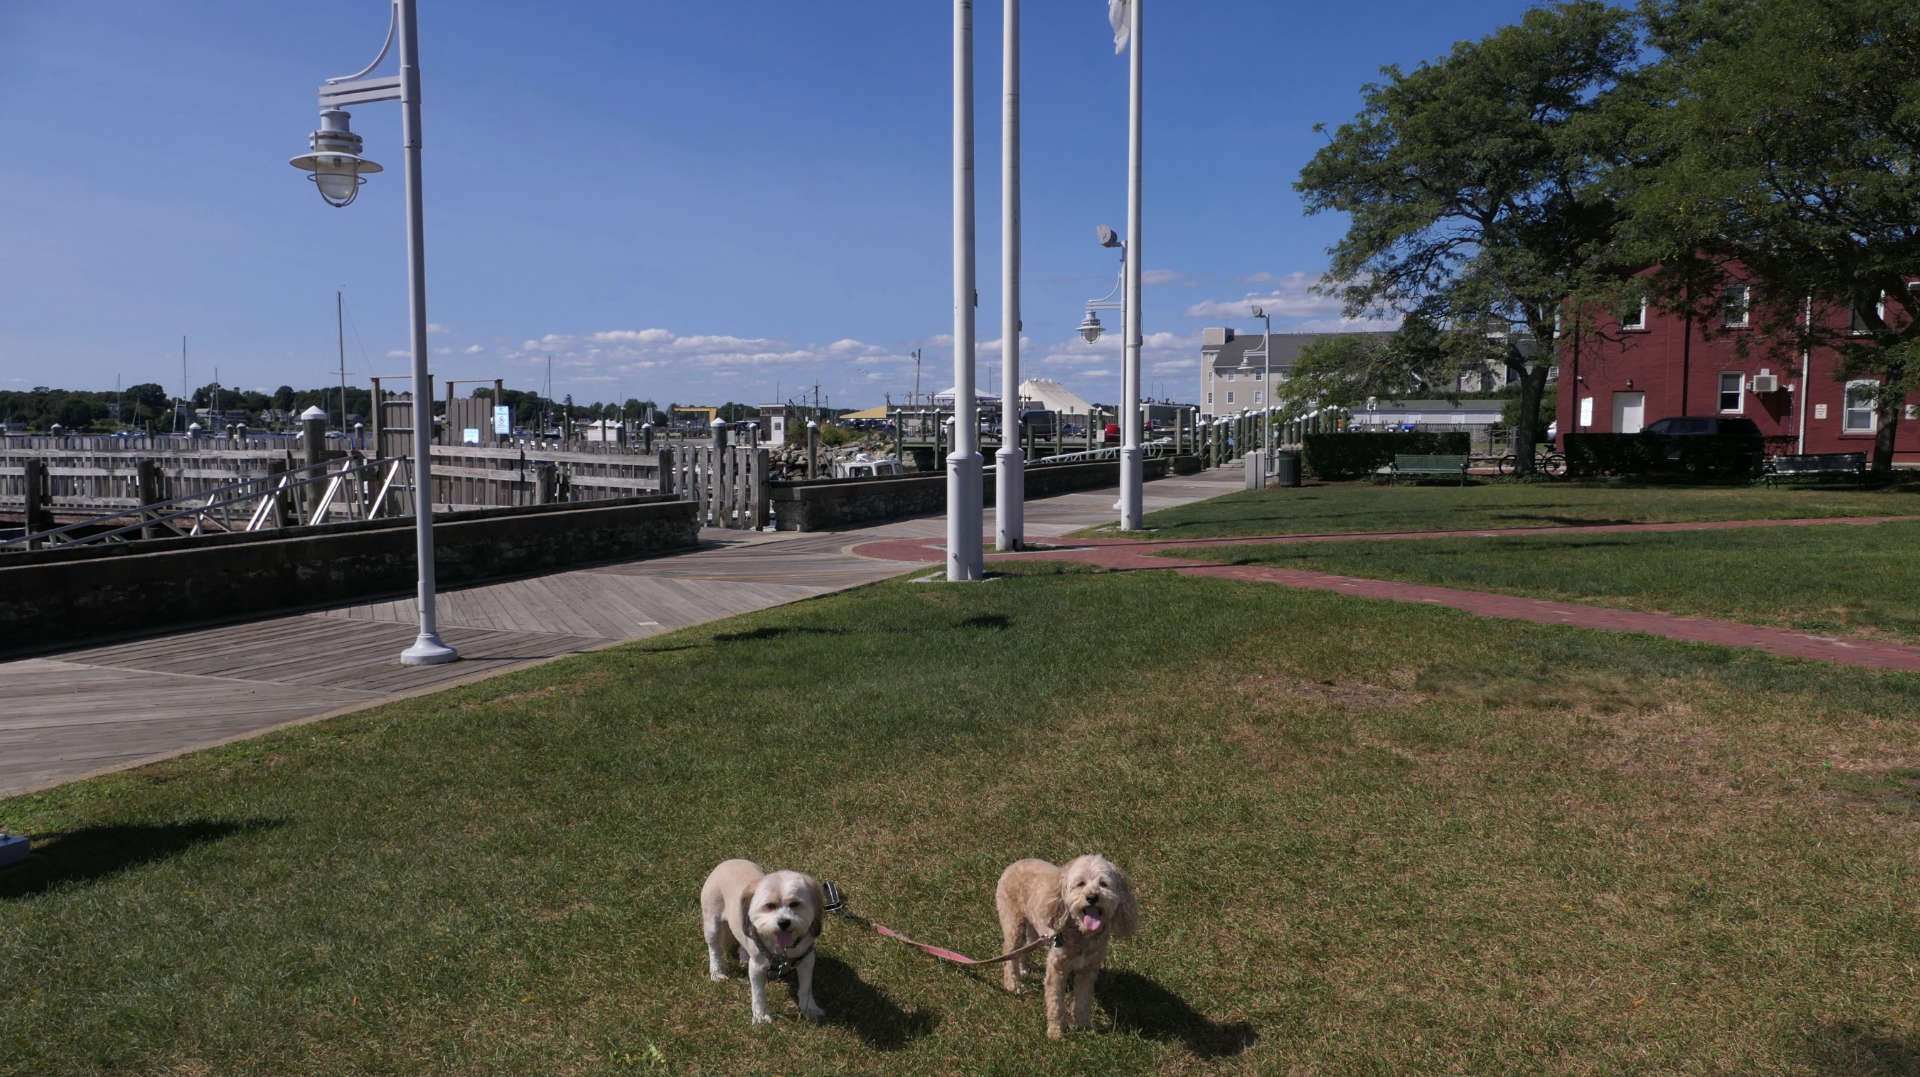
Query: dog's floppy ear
<point x="746" y="908"/>
<point x="1126" y="914"/>
<point x="819" y="899"/>
<point x="1056" y="909"/>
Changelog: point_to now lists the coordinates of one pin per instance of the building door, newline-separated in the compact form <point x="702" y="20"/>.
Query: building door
<point x="1629" y="412"/>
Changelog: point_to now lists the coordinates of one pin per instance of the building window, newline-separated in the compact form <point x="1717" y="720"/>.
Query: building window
<point x="1229" y="396"/>
<point x="1256" y="396"/>
<point x="1857" y="416"/>
<point x="1732" y="382"/>
<point x="1857" y="323"/>
<point x="1733" y="307"/>
<point x="1209" y="399"/>
<point x="1635" y="316"/>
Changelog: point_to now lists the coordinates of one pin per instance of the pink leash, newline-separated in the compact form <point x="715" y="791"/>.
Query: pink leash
<point x="836" y="903"/>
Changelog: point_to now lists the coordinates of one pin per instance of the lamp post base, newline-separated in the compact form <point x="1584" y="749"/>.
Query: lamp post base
<point x="965" y="558"/>
<point x="1132" y="495"/>
<point x="427" y="650"/>
<point x="1009" y="498"/>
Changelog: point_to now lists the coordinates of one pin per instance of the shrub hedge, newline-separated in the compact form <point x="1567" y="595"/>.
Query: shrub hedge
<point x="1648" y="454"/>
<point x="1352" y="454"/>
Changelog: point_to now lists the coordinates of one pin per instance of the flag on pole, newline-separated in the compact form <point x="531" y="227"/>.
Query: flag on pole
<point x="1118" y="15"/>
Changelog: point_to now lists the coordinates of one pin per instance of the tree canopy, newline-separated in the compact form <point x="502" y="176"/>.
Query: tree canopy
<point x="1778" y="146"/>
<point x="1473" y="184"/>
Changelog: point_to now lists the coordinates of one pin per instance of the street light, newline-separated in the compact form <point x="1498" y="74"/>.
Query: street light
<point x="338" y="170"/>
<point x="1266" y="390"/>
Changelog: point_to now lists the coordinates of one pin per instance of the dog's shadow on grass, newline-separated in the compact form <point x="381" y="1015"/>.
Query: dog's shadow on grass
<point x="775" y="632"/>
<point x="1135" y="1002"/>
<point x="1855" y="1050"/>
<point x="853" y="1003"/>
<point x="95" y="852"/>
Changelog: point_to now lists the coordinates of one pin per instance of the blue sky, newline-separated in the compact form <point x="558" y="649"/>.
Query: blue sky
<point x="686" y="202"/>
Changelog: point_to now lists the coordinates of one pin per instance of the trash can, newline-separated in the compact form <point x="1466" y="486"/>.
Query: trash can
<point x="1286" y="469"/>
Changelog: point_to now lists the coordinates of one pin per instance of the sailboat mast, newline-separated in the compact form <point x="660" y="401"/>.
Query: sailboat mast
<point x="340" y="335"/>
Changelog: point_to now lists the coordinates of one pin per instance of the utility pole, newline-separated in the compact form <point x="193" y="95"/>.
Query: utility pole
<point x="915" y="400"/>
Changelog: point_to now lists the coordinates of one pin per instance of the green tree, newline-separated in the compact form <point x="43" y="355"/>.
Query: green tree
<point x="1474" y="186"/>
<point x="1780" y="150"/>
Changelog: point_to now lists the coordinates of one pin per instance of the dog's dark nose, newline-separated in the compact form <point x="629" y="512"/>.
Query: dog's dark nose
<point x="784" y="923"/>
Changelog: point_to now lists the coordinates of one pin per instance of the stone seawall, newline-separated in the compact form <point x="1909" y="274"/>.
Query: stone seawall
<point x="68" y="595"/>
<point x="826" y="504"/>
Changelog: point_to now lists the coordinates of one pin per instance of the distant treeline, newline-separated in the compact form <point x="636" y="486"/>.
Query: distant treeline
<point x="149" y="407"/>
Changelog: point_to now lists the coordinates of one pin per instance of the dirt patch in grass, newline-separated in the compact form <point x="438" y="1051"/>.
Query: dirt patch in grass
<point x="1281" y="691"/>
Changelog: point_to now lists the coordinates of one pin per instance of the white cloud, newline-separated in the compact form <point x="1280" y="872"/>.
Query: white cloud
<point x="474" y="349"/>
<point x="632" y="336"/>
<point x="443" y="351"/>
<point x="436" y="327"/>
<point x="1161" y="276"/>
<point x="399" y="353"/>
<point x="1291" y="303"/>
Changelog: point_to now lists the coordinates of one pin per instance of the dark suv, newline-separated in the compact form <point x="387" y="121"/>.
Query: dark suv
<point x="1708" y="444"/>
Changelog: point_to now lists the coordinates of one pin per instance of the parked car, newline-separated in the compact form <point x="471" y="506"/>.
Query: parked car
<point x="1112" y="434"/>
<point x="1709" y="444"/>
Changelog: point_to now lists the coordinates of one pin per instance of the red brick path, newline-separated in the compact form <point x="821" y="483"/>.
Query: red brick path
<point x="1135" y="555"/>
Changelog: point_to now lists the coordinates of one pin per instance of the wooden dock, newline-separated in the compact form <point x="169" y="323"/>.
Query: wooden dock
<point x="106" y="707"/>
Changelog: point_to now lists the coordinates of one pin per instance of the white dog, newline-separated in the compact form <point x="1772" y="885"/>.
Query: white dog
<point x="1086" y="903"/>
<point x="768" y="919"/>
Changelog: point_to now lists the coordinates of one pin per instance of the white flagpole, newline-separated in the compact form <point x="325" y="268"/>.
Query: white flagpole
<point x="1132" y="497"/>
<point x="1010" y="477"/>
<point x="965" y="558"/>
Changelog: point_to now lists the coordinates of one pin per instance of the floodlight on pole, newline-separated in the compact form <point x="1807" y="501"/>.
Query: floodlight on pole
<point x="1090" y="327"/>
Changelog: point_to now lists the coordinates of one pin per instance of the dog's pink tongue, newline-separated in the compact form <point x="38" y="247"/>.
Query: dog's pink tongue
<point x="1089" y="923"/>
<point x="783" y="938"/>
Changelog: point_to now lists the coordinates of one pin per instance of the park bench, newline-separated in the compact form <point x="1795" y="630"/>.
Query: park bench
<point x="1819" y="465"/>
<point x="1405" y="464"/>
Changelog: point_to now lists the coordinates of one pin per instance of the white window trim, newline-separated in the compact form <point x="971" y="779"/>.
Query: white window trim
<point x="1229" y="396"/>
<point x="1847" y="409"/>
<point x="1639" y="324"/>
<point x="1745" y="318"/>
<point x="1739" y="392"/>
<point x="1256" y="396"/>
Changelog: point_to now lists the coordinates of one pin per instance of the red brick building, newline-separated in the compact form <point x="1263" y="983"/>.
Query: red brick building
<point x="1665" y="363"/>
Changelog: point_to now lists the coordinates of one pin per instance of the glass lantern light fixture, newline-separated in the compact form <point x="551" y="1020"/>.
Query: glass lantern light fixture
<point x="335" y="164"/>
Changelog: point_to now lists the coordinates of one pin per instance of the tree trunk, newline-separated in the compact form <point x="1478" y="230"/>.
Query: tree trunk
<point x="1883" y="439"/>
<point x="1888" y="405"/>
<point x="1533" y="385"/>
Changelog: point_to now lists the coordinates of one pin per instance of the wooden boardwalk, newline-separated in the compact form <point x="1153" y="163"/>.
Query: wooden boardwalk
<point x="110" y="706"/>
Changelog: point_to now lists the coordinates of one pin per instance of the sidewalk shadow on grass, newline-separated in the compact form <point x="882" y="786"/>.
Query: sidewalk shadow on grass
<point x="95" y="852"/>
<point x="858" y="1005"/>
<point x="1858" y="1050"/>
<point x="1136" y="1002"/>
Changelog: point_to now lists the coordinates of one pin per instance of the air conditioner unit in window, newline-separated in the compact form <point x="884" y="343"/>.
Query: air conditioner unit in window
<point x="1765" y="383"/>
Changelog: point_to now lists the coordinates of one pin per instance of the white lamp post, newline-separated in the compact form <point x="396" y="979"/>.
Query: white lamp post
<point x="337" y="169"/>
<point x="966" y="560"/>
<point x="1010" y="478"/>
<point x="1132" y="496"/>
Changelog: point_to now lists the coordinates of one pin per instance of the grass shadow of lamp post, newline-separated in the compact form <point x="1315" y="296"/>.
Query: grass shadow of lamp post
<point x="337" y="169"/>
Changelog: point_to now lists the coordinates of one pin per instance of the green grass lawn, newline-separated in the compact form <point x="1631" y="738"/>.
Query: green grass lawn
<point x="1837" y="579"/>
<point x="1334" y="509"/>
<point x="1367" y="838"/>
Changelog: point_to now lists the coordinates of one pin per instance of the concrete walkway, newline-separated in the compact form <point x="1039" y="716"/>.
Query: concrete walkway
<point x="93" y="709"/>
